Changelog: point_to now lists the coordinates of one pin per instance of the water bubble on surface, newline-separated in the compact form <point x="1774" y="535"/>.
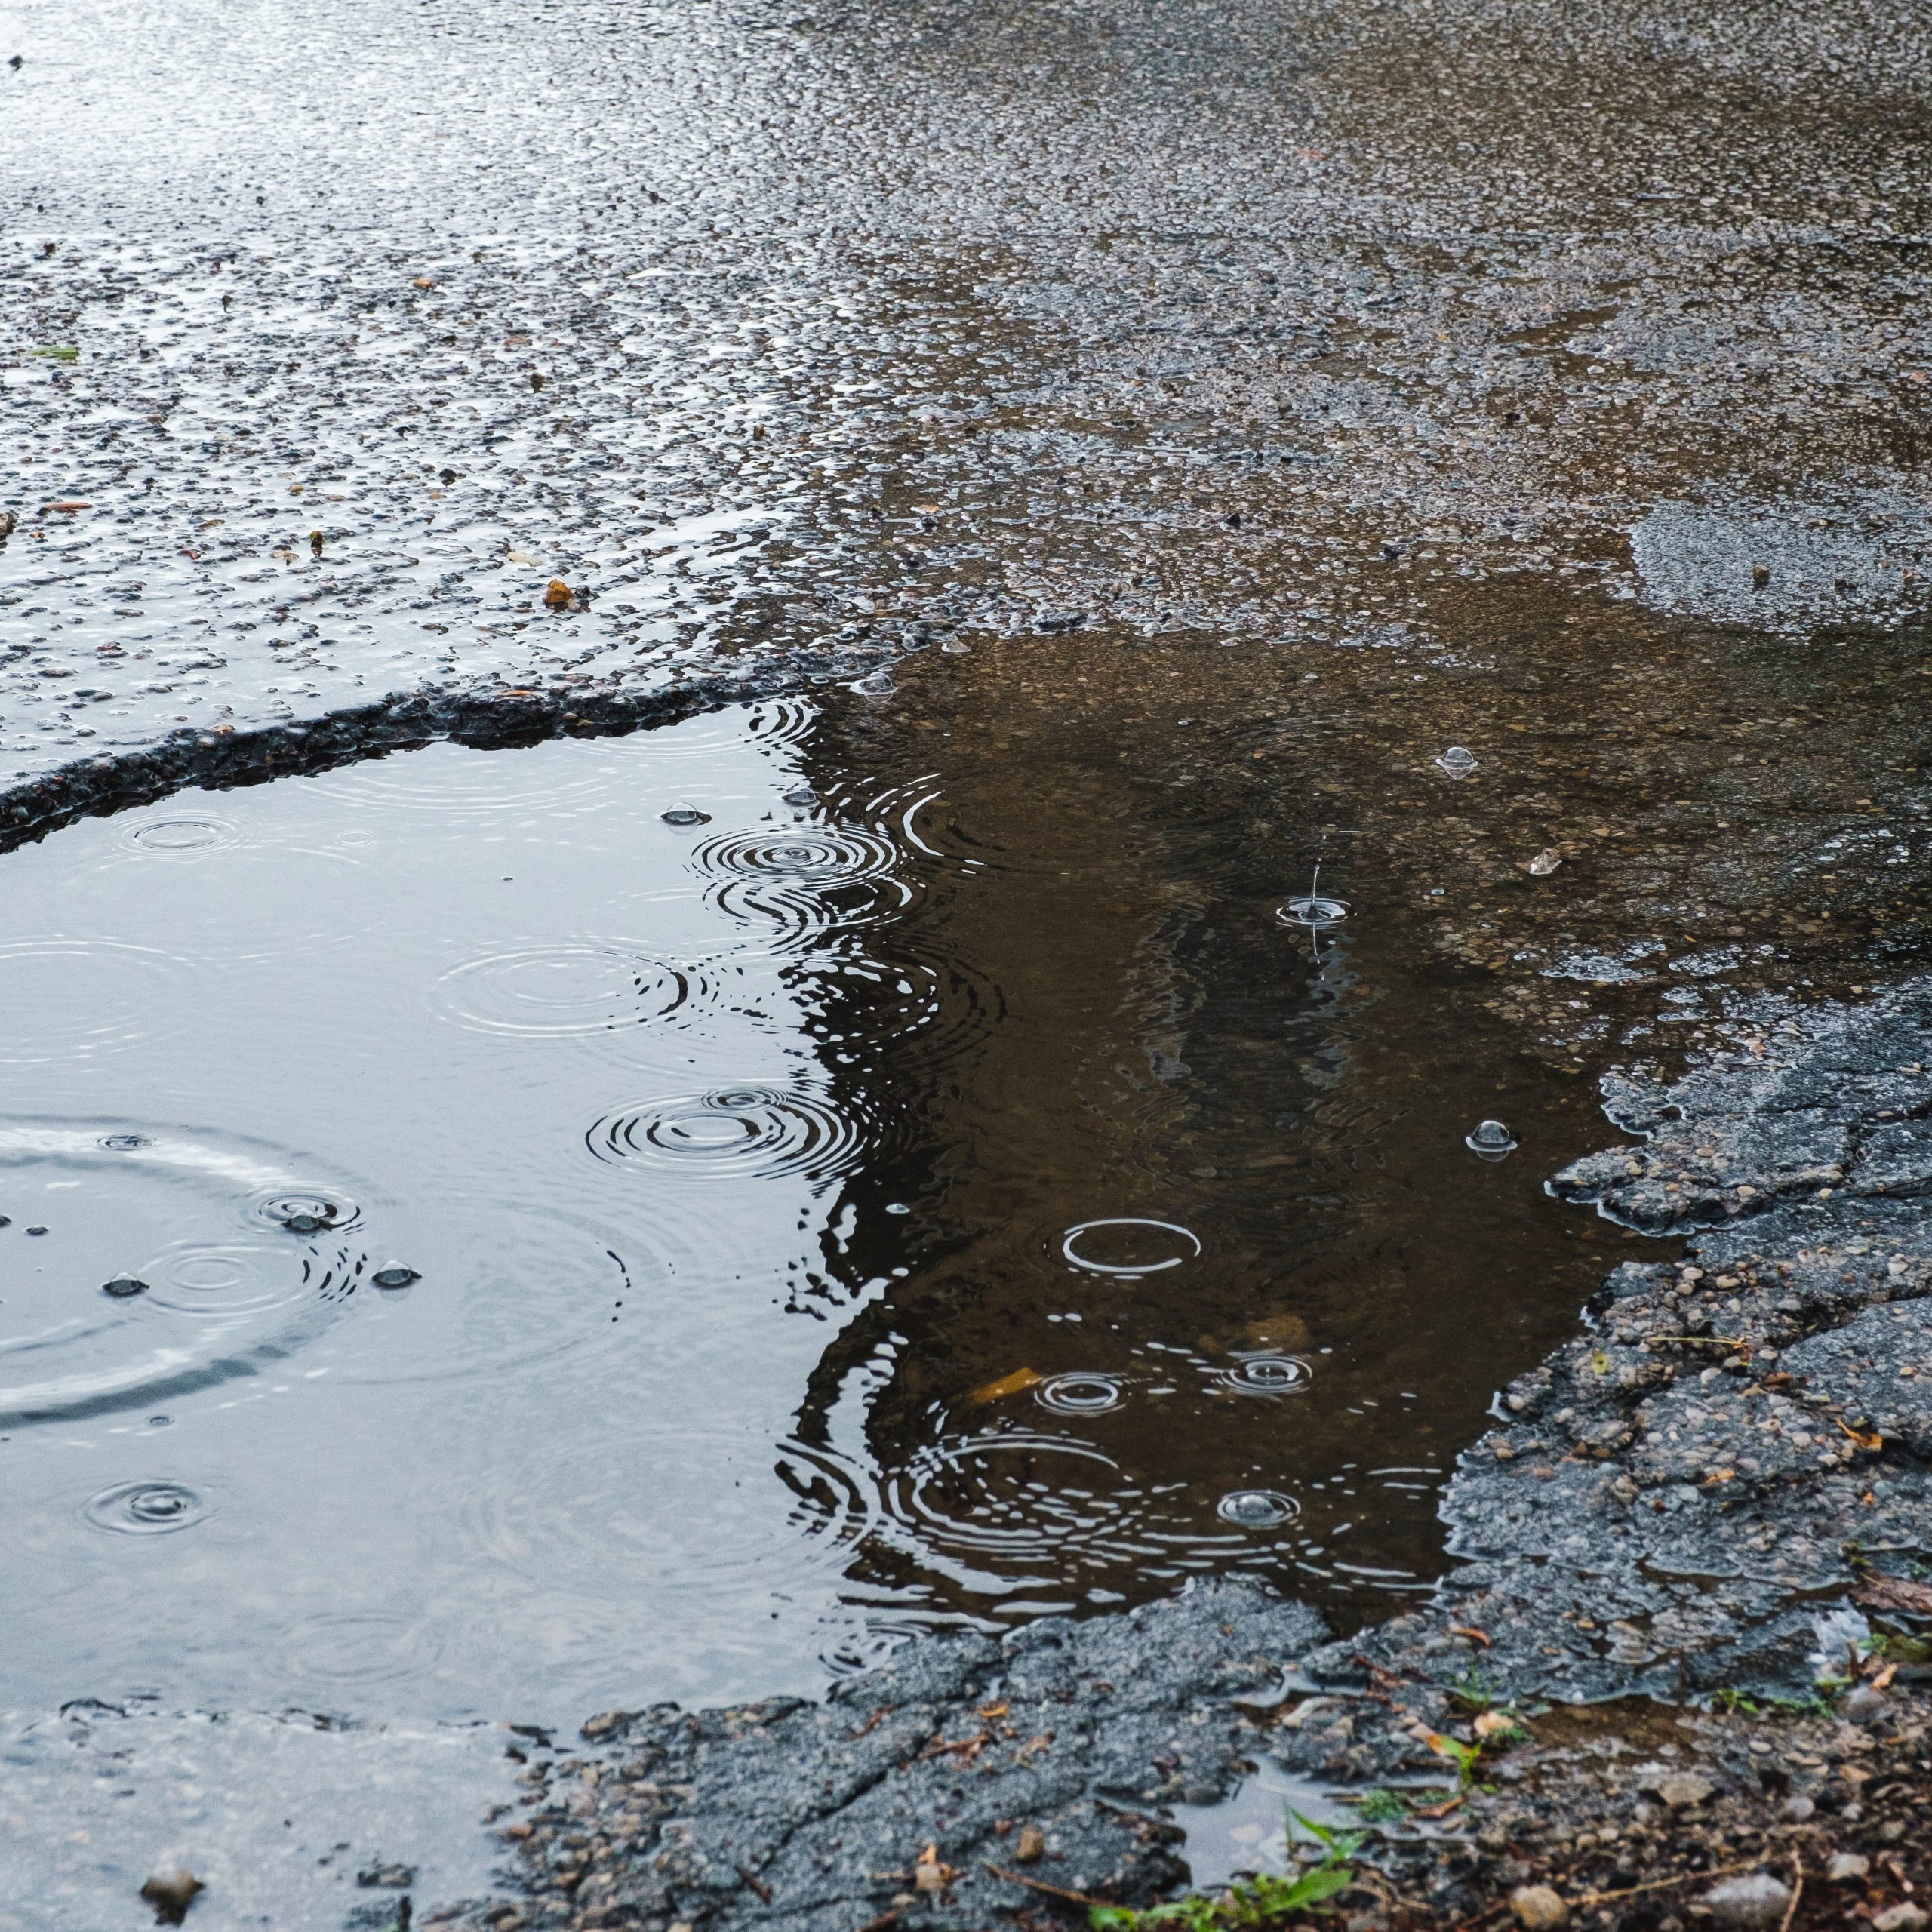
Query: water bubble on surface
<point x="876" y="684"/>
<point x="800" y="798"/>
<point x="1490" y="1141"/>
<point x="1257" y="1508"/>
<point x="302" y="1212"/>
<point x="395" y="1275"/>
<point x="1127" y="1245"/>
<point x="124" y="1287"/>
<point x="683" y="815"/>
<point x="1265" y="1375"/>
<point x="733" y="1134"/>
<point x="144" y="1509"/>
<point x="1458" y="761"/>
<point x="1082" y="1392"/>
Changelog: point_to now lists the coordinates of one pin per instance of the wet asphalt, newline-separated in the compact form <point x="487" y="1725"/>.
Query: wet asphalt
<point x="792" y="341"/>
<point x="803" y="335"/>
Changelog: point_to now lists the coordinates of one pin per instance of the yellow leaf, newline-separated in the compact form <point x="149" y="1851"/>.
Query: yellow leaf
<point x="1008" y="1384"/>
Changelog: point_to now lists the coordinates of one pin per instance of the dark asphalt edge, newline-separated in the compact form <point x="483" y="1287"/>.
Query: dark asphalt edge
<point x="483" y="720"/>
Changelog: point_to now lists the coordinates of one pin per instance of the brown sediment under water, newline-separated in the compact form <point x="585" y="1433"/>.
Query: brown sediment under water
<point x="506" y="1232"/>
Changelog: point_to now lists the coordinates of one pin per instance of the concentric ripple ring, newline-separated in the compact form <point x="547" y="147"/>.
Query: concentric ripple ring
<point x="733" y="1134"/>
<point x="1265" y="1375"/>
<point x="1082" y="1392"/>
<point x="144" y="1509"/>
<point x="1186" y="1242"/>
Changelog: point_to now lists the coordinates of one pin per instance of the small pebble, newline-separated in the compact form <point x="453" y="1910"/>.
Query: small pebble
<point x="1903" y="1917"/>
<point x="1863" y="1705"/>
<point x="171" y="1892"/>
<point x="1753" y="1904"/>
<point x="1847" y="1865"/>
<point x="1032" y="1846"/>
<point x="1538" y="1908"/>
<point x="1683" y="1790"/>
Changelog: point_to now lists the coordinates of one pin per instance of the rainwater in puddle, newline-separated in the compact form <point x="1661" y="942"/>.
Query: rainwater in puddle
<point x="508" y="1232"/>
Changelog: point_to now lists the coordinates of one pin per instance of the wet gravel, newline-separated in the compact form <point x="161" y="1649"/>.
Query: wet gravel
<point x="1283" y="322"/>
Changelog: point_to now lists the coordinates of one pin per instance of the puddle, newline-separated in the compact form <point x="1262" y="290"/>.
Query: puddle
<point x="1250" y="1832"/>
<point x="531" y="1251"/>
<point x="517" y="1231"/>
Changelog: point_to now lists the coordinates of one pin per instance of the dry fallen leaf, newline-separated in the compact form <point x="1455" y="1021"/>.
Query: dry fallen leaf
<point x="1490" y="1722"/>
<point x="1006" y="1385"/>
<point x="557" y="595"/>
<point x="1893" y="1593"/>
<point x="1865" y="1438"/>
<point x="424" y="282"/>
<point x="519" y="557"/>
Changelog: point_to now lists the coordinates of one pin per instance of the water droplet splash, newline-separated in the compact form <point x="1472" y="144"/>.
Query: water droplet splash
<point x="144" y="1509"/>
<point x="395" y="1275"/>
<point x="1314" y="908"/>
<point x="1458" y="761"/>
<point x="1264" y="1375"/>
<point x="1128" y="1246"/>
<point x="683" y="815"/>
<point x="124" y="1287"/>
<point x="1257" y="1508"/>
<point x="1082" y="1392"/>
<point x="1490" y="1141"/>
<point x="734" y="1134"/>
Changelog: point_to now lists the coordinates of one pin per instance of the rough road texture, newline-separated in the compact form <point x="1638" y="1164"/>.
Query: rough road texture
<point x="802" y="1815"/>
<point x="786" y="333"/>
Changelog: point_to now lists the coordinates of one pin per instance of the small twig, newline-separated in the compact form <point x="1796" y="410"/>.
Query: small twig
<point x="972" y="1746"/>
<point x="1703" y="1341"/>
<point x="1469" y="1925"/>
<point x="884" y="1712"/>
<point x="1797" y="1892"/>
<point x="1041" y="1885"/>
<point x="757" y="1884"/>
<point x="1664" y="1884"/>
